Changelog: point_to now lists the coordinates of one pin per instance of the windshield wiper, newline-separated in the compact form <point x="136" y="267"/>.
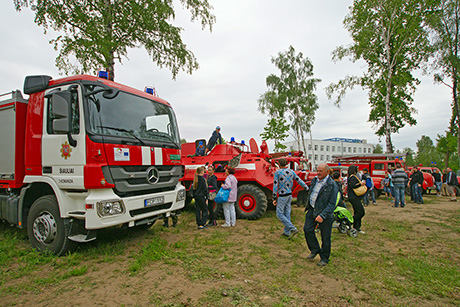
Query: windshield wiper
<point x="126" y="131"/>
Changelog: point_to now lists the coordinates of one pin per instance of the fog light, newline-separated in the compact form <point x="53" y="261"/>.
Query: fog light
<point x="180" y="195"/>
<point x="109" y="208"/>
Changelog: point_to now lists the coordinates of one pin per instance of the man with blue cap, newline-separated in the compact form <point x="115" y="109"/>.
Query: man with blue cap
<point x="200" y="150"/>
<point x="215" y="138"/>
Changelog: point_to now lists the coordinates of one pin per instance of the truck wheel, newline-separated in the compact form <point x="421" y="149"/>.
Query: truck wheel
<point x="47" y="231"/>
<point x="218" y="210"/>
<point x="457" y="191"/>
<point x="251" y="202"/>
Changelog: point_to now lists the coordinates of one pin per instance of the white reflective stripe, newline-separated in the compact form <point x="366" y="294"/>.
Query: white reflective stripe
<point x="146" y="156"/>
<point x="194" y="166"/>
<point x="248" y="166"/>
<point x="158" y="156"/>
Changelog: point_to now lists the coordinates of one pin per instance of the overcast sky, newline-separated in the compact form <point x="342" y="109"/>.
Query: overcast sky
<point x="235" y="59"/>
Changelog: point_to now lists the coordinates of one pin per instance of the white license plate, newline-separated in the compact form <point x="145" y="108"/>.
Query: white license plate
<point x="154" y="201"/>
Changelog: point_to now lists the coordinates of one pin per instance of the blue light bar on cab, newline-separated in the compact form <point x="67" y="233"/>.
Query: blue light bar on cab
<point x="150" y="90"/>
<point x="103" y="74"/>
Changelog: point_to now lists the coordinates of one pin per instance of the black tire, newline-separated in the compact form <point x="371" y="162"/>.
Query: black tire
<point x="343" y="228"/>
<point x="218" y="210"/>
<point x="46" y="229"/>
<point x="457" y="191"/>
<point x="251" y="202"/>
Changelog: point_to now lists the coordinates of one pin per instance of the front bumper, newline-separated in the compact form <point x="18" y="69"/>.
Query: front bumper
<point x="135" y="208"/>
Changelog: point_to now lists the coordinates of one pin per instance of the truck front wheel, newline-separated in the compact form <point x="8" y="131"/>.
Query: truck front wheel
<point x="251" y="202"/>
<point x="46" y="229"/>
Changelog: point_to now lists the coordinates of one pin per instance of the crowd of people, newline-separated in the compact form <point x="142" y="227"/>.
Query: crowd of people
<point x="396" y="181"/>
<point x="322" y="197"/>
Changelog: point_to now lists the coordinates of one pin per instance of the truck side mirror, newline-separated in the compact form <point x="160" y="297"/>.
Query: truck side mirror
<point x="62" y="124"/>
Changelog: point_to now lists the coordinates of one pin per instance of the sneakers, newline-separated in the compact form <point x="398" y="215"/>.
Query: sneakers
<point x="225" y="225"/>
<point x="453" y="199"/>
<point x="202" y="227"/>
<point x="375" y="204"/>
<point x="322" y="263"/>
<point x="361" y="232"/>
<point x="293" y="233"/>
<point x="311" y="256"/>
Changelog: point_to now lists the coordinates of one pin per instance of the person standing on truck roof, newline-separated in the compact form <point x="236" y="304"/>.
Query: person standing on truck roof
<point x="355" y="200"/>
<point x="216" y="138"/>
<point x="200" y="150"/>
<point x="200" y="193"/>
<point x="321" y="202"/>
<point x="283" y="182"/>
<point x="452" y="182"/>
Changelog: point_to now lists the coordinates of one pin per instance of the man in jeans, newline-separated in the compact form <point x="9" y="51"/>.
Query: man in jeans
<point x="452" y="182"/>
<point x="282" y="196"/>
<point x="416" y="185"/>
<point x="400" y="180"/>
<point x="321" y="202"/>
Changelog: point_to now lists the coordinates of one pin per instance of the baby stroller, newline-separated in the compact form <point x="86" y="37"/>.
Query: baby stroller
<point x="345" y="221"/>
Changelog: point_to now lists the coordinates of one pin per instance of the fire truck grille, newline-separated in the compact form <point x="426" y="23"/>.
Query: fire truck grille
<point x="133" y="181"/>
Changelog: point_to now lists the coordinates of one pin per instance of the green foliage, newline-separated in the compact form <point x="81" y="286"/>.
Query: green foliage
<point x="446" y="32"/>
<point x="276" y="129"/>
<point x="446" y="146"/>
<point x="291" y="93"/>
<point x="98" y="32"/>
<point x="409" y="156"/>
<point x="426" y="152"/>
<point x="378" y="149"/>
<point x="390" y="38"/>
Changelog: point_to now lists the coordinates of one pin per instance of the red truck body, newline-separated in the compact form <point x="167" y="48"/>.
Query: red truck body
<point x="85" y="153"/>
<point x="254" y="170"/>
<point x="378" y="165"/>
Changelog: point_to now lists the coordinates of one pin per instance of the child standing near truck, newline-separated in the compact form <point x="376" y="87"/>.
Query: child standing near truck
<point x="200" y="193"/>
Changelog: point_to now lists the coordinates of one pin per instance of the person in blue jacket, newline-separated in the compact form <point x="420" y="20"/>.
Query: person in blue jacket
<point x="216" y="138"/>
<point x="200" y="150"/>
<point x="321" y="201"/>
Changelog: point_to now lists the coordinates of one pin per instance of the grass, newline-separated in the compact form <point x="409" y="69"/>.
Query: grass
<point x="398" y="263"/>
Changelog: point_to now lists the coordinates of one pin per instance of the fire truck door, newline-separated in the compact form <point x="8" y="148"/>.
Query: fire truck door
<point x="60" y="160"/>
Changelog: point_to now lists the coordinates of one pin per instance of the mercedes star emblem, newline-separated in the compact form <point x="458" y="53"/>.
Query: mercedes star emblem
<point x="153" y="175"/>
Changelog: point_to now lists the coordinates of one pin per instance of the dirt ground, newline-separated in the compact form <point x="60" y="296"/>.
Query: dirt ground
<point x="163" y="283"/>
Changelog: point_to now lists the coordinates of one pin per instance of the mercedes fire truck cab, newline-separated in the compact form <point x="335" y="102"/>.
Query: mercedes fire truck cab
<point x="85" y="153"/>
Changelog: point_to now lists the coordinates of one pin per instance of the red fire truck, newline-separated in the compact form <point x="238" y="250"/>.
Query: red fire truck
<point x="377" y="165"/>
<point x="254" y="170"/>
<point x="84" y="153"/>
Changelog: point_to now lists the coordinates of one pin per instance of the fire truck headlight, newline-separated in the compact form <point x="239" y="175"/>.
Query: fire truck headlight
<point x="109" y="208"/>
<point x="180" y="195"/>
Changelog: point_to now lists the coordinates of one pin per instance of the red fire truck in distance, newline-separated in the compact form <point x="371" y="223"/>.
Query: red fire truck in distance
<point x="254" y="170"/>
<point x="377" y="165"/>
<point x="84" y="153"/>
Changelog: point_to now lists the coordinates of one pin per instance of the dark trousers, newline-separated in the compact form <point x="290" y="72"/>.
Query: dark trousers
<point x="310" y="236"/>
<point x="358" y="212"/>
<point x="201" y="210"/>
<point x="211" y="213"/>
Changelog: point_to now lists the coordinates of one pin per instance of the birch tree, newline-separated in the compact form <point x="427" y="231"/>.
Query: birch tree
<point x="390" y="37"/>
<point x="93" y="34"/>
<point x="291" y="94"/>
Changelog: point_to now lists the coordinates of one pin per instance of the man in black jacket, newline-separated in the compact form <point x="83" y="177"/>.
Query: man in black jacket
<point x="452" y="182"/>
<point x="321" y="201"/>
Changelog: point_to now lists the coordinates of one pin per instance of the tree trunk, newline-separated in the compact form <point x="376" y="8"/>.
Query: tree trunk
<point x="389" y="145"/>
<point x="109" y="58"/>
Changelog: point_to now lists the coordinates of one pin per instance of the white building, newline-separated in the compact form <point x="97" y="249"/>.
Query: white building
<point x="320" y="151"/>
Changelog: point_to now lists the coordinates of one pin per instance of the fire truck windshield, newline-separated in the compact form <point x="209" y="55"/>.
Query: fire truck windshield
<point x="132" y="117"/>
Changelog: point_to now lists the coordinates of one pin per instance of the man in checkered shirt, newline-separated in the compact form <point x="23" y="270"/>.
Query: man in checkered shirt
<point x="282" y="196"/>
